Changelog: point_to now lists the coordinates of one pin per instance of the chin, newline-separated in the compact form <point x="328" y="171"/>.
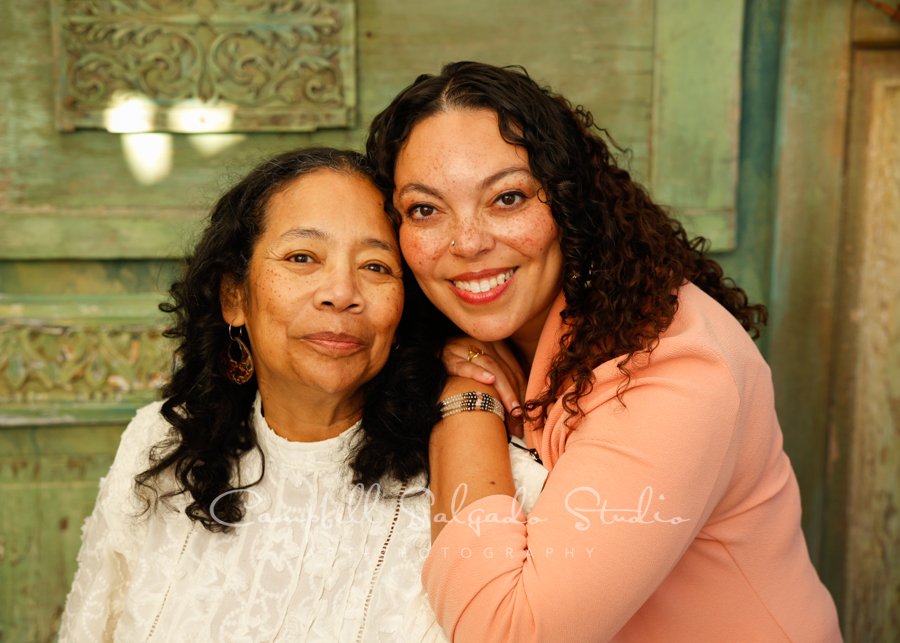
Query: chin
<point x="487" y="332"/>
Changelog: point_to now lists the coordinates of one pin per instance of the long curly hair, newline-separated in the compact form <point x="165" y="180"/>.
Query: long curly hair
<point x="624" y="257"/>
<point x="211" y="416"/>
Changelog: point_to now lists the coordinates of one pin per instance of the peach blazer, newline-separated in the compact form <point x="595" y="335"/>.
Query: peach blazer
<point x="672" y="517"/>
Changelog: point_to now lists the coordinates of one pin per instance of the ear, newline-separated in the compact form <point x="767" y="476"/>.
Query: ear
<point x="231" y="298"/>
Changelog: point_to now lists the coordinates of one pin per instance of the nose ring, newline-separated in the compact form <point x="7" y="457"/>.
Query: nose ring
<point x="452" y="243"/>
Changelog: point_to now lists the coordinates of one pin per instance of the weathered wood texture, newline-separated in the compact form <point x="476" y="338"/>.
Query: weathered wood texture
<point x="696" y="90"/>
<point x="207" y="65"/>
<point x="873" y="27"/>
<point x="865" y="461"/>
<point x="600" y="54"/>
<point x="48" y="483"/>
<point x="749" y="263"/>
<point x="67" y="359"/>
<point x="810" y="156"/>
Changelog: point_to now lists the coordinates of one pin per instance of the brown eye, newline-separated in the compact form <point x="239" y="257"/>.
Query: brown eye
<point x="377" y="267"/>
<point x="420" y="211"/>
<point x="510" y="199"/>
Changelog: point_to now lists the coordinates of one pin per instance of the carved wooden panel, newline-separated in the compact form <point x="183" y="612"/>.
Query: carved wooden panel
<point x="204" y="65"/>
<point x="96" y="358"/>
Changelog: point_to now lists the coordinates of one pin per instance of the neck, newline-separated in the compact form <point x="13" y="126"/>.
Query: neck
<point x="527" y="337"/>
<point x="309" y="417"/>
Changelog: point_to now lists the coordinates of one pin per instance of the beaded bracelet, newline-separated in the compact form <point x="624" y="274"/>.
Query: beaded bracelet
<point x="471" y="401"/>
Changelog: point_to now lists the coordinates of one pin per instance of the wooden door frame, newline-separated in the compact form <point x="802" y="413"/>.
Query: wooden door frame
<point x="809" y="178"/>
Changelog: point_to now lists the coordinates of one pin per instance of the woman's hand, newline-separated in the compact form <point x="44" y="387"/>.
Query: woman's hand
<point x="489" y="363"/>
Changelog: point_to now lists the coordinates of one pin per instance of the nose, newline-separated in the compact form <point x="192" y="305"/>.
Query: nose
<point x="471" y="236"/>
<point x="339" y="290"/>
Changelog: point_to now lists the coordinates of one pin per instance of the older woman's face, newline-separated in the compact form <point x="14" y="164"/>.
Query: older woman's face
<point x="324" y="293"/>
<point x="478" y="236"/>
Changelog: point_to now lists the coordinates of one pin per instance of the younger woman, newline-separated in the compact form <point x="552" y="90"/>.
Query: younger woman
<point x="671" y="512"/>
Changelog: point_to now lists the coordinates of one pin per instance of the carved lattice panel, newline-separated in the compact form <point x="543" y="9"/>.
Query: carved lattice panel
<point x="204" y="65"/>
<point x="64" y="360"/>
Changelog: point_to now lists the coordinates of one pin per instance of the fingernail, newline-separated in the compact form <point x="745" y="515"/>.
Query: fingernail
<point x="488" y="375"/>
<point x="516" y="410"/>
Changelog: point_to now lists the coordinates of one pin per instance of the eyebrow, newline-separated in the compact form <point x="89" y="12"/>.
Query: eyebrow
<point x="496" y="176"/>
<point x="487" y="182"/>
<point x="320" y="235"/>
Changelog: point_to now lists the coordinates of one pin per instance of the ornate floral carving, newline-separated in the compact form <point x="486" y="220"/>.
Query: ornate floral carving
<point x="81" y="363"/>
<point x="267" y="65"/>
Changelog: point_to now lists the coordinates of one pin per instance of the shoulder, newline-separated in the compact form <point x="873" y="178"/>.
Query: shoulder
<point x="703" y="360"/>
<point x="702" y="325"/>
<point x="147" y="429"/>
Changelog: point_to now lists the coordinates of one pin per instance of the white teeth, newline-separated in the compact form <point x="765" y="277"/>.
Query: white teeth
<point x="484" y="285"/>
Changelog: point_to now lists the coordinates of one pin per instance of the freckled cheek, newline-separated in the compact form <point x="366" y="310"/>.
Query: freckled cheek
<point x="393" y="309"/>
<point x="276" y="295"/>
<point x="534" y="236"/>
<point x="422" y="251"/>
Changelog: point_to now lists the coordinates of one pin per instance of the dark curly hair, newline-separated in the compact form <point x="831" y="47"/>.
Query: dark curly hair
<point x="624" y="257"/>
<point x="211" y="416"/>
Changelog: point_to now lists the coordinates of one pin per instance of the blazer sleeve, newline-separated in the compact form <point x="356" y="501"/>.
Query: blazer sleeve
<point x="110" y="537"/>
<point x="636" y="482"/>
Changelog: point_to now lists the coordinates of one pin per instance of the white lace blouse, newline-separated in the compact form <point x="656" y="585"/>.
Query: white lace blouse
<point x="314" y="559"/>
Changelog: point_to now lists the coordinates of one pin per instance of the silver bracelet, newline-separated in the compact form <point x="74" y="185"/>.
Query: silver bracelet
<point x="471" y="401"/>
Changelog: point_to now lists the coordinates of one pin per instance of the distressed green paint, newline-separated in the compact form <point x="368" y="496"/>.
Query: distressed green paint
<point x="66" y="310"/>
<point x="214" y="65"/>
<point x="600" y="54"/>
<point x="696" y="113"/>
<point x="75" y="359"/>
<point x="810" y="163"/>
<point x="99" y="237"/>
<point x="749" y="263"/>
<point x="90" y="278"/>
<point x="48" y="482"/>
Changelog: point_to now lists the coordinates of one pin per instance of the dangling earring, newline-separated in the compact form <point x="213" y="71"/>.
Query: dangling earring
<point x="238" y="370"/>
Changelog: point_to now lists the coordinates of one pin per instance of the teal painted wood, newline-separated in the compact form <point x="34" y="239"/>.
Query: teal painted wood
<point x="749" y="264"/>
<point x="224" y="65"/>
<point x="696" y="114"/>
<point x="48" y="482"/>
<point x="72" y="360"/>
<point x="600" y="54"/>
<point x="812" y="122"/>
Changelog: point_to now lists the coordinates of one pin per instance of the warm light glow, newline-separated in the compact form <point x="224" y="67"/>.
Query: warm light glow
<point x="211" y="144"/>
<point x="149" y="156"/>
<point x="128" y="113"/>
<point x="192" y="116"/>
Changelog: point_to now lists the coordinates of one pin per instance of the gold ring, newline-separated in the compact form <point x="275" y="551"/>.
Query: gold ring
<point x="474" y="352"/>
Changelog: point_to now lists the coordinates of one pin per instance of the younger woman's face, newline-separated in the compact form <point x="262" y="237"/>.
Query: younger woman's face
<point x="475" y="229"/>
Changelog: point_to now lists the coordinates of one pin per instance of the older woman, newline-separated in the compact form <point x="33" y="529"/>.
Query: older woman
<point x="670" y="512"/>
<point x="276" y="494"/>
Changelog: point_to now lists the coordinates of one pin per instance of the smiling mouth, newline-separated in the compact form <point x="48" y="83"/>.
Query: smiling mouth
<point x="478" y="286"/>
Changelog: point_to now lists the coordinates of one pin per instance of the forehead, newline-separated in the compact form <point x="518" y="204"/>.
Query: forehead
<point x="473" y="134"/>
<point x="331" y="201"/>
